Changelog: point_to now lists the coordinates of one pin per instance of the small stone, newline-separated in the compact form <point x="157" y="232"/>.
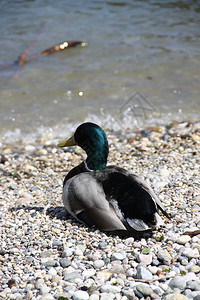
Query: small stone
<point x="164" y="256"/>
<point x="72" y="276"/>
<point x="143" y="273"/>
<point x="57" y="243"/>
<point x="117" y="267"/>
<point x="99" y="263"/>
<point x="183" y="239"/>
<point x="78" y="252"/>
<point x="136" y="245"/>
<point x="56" y="278"/>
<point x="128" y="293"/>
<point x="51" y="263"/>
<point x="108" y="288"/>
<point x="88" y="273"/>
<point x="52" y="271"/>
<point x="193" y="285"/>
<point x="67" y="252"/>
<point x="184" y="262"/>
<point x="64" y="262"/>
<point x="194" y="269"/>
<point x="104" y="275"/>
<point x="69" y="270"/>
<point x="178" y="282"/>
<point x="30" y="148"/>
<point x="94" y="297"/>
<point x="12" y="282"/>
<point x="129" y="241"/>
<point x="192" y="230"/>
<point x="23" y="201"/>
<point x="107" y="296"/>
<point x="196" y="137"/>
<point x="44" y="289"/>
<point x="175" y="296"/>
<point x="46" y="253"/>
<point x="47" y="297"/>
<point x="43" y="152"/>
<point x="164" y="172"/>
<point x="155" y="262"/>
<point x="80" y="295"/>
<point x="153" y="269"/>
<point x="102" y="245"/>
<point x="144" y="289"/>
<point x="145" y="259"/>
<point x="191" y="253"/>
<point x="117" y="256"/>
<point x="123" y="253"/>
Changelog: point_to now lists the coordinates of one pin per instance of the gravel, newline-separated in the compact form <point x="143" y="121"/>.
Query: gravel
<point x="46" y="254"/>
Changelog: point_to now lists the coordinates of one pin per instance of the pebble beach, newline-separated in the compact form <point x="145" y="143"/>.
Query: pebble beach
<point x="45" y="254"/>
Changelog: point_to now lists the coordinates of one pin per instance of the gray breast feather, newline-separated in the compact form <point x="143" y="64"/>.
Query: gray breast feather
<point x="83" y="191"/>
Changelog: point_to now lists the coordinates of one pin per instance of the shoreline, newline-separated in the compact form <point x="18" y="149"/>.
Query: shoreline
<point x="45" y="254"/>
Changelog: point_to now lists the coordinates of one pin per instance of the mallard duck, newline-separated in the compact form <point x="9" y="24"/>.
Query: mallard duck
<point x="109" y="197"/>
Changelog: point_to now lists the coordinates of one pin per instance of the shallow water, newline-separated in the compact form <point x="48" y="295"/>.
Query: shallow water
<point x="147" y="50"/>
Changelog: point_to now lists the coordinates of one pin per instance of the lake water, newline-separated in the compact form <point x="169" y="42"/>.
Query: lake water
<point x="142" y="64"/>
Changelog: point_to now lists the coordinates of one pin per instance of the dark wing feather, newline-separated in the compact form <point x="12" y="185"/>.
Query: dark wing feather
<point x="146" y="187"/>
<point x="134" y="201"/>
<point x="135" y="198"/>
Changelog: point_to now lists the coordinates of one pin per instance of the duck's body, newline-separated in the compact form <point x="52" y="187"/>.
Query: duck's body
<point x="109" y="197"/>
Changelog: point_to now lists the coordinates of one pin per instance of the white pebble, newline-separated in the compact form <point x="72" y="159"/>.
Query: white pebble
<point x="80" y="295"/>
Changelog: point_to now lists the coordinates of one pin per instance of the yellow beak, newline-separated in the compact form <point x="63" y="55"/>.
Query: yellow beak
<point x="69" y="142"/>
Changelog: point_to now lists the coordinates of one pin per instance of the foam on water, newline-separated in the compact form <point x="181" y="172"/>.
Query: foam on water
<point x="116" y="123"/>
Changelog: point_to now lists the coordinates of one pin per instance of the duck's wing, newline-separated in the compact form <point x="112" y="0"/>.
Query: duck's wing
<point x="84" y="198"/>
<point x="140" y="182"/>
<point x="134" y="201"/>
<point x="147" y="188"/>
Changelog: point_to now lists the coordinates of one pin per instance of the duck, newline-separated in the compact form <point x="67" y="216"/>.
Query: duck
<point x="109" y="198"/>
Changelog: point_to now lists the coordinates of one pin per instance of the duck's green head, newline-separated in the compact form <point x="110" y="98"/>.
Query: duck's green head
<point x="92" y="139"/>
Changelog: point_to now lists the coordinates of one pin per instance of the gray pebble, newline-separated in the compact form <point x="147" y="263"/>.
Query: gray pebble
<point x="44" y="289"/>
<point x="98" y="263"/>
<point x="57" y="243"/>
<point x="143" y="273"/>
<point x="164" y="256"/>
<point x="155" y="262"/>
<point x="67" y="252"/>
<point x="108" y="288"/>
<point x="103" y="245"/>
<point x="144" y="289"/>
<point x="46" y="253"/>
<point x="51" y="263"/>
<point x="72" y="276"/>
<point x="117" y="256"/>
<point x="64" y="262"/>
<point x="178" y="282"/>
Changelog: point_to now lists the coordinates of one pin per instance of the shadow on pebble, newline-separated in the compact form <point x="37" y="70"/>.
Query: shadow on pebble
<point x="58" y="212"/>
<point x="28" y="208"/>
